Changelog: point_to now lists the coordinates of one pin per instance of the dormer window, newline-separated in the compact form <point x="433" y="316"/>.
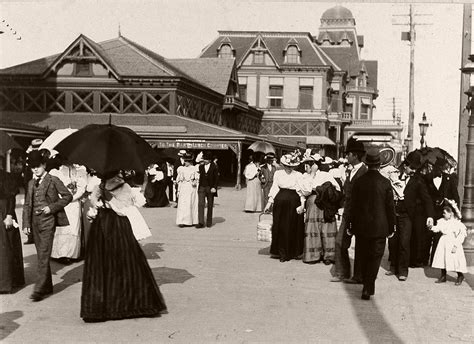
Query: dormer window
<point x="83" y="69"/>
<point x="292" y="55"/>
<point x="226" y="51"/>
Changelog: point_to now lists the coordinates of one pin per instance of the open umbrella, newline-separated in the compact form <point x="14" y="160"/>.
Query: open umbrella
<point x="429" y="155"/>
<point x="7" y="143"/>
<point x="56" y="136"/>
<point x="107" y="148"/>
<point x="262" y="146"/>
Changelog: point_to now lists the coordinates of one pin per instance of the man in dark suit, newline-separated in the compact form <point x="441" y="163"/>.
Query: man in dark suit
<point x="43" y="210"/>
<point x="372" y="219"/>
<point x="414" y="214"/>
<point x="440" y="185"/>
<point x="266" y="176"/>
<point x="354" y="151"/>
<point x="208" y="176"/>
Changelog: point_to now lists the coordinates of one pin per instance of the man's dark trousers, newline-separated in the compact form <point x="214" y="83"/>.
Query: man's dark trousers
<point x="343" y="264"/>
<point x="370" y="253"/>
<point x="204" y="193"/>
<point x="43" y="228"/>
<point x="399" y="246"/>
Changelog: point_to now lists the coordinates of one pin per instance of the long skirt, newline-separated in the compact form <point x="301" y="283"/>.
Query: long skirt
<point x="187" y="212"/>
<point x="288" y="226"/>
<point x="320" y="236"/>
<point x="254" y="195"/>
<point x="155" y="194"/>
<point x="117" y="282"/>
<point x="67" y="239"/>
<point x="11" y="256"/>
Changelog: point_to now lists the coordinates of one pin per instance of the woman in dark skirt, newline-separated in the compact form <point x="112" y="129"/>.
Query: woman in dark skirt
<point x="11" y="256"/>
<point x="118" y="282"/>
<point x="288" y="209"/>
<point x="155" y="189"/>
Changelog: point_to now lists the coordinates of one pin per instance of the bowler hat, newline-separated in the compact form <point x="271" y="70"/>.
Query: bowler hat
<point x="372" y="157"/>
<point x="207" y="156"/>
<point x="354" y="146"/>
<point x="35" y="158"/>
<point x="413" y="160"/>
<point x="270" y="156"/>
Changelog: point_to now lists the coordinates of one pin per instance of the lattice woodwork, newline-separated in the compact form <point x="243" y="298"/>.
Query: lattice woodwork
<point x="82" y="101"/>
<point x="198" y="109"/>
<point x="298" y="128"/>
<point x="110" y="102"/>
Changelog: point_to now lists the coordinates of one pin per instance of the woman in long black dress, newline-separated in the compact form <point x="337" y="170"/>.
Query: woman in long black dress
<point x="288" y="208"/>
<point x="11" y="256"/>
<point x="155" y="189"/>
<point x="118" y="282"/>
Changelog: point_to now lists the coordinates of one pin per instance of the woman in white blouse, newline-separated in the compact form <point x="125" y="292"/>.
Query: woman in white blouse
<point x="254" y="195"/>
<point x="288" y="209"/>
<point x="320" y="233"/>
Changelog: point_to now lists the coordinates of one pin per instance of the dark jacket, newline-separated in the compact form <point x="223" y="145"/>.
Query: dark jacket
<point x="373" y="209"/>
<point x="448" y="189"/>
<point x="57" y="197"/>
<point x="328" y="200"/>
<point x="348" y="189"/>
<point x="417" y="200"/>
<point x="266" y="177"/>
<point x="210" y="178"/>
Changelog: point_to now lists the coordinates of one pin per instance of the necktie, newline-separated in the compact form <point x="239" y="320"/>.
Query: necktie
<point x="37" y="182"/>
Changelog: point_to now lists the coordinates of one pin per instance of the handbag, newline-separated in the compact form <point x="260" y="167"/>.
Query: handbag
<point x="264" y="227"/>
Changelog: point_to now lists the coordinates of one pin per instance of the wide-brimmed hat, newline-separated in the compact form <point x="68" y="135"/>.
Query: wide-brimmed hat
<point x="372" y="157"/>
<point x="354" y="146"/>
<point x="413" y="160"/>
<point x="182" y="152"/>
<point x="36" y="158"/>
<point x="327" y="160"/>
<point x="454" y="207"/>
<point x="187" y="157"/>
<point x="291" y="159"/>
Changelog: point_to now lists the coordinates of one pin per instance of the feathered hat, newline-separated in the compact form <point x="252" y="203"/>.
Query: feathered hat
<point x="452" y="204"/>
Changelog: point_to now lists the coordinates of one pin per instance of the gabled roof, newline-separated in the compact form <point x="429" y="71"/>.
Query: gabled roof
<point x="121" y="55"/>
<point x="276" y="42"/>
<point x="214" y="73"/>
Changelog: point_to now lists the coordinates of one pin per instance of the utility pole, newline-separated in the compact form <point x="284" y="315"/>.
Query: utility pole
<point x="465" y="83"/>
<point x="411" y="37"/>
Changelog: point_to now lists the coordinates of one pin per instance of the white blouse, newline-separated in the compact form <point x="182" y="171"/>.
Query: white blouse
<point x="283" y="180"/>
<point x="453" y="228"/>
<point x="309" y="182"/>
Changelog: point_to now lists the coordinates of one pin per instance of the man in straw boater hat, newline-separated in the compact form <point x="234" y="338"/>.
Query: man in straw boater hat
<point x="372" y="219"/>
<point x="45" y="199"/>
<point x="414" y="215"/>
<point x="355" y="151"/>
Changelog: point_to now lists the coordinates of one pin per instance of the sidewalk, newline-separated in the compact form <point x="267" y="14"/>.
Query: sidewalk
<point x="220" y="285"/>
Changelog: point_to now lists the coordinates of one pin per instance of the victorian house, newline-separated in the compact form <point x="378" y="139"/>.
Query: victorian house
<point x="190" y="104"/>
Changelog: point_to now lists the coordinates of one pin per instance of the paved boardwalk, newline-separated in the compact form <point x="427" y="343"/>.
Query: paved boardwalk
<point x="220" y="285"/>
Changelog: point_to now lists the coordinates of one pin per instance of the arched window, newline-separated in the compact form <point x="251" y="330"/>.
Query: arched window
<point x="226" y="51"/>
<point x="292" y="55"/>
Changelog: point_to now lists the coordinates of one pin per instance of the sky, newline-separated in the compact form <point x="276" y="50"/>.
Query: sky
<point x="182" y="28"/>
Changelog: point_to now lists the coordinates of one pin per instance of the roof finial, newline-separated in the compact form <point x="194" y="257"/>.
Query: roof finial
<point x="119" y="32"/>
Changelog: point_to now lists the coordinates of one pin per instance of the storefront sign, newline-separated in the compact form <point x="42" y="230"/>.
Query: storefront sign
<point x="190" y="144"/>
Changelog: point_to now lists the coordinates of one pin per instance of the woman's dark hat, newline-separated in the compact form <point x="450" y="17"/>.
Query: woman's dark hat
<point x="187" y="157"/>
<point x="35" y="158"/>
<point x="413" y="160"/>
<point x="372" y="157"/>
<point x="354" y="146"/>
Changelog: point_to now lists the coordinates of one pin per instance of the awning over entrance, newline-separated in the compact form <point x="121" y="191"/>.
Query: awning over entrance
<point x="319" y="140"/>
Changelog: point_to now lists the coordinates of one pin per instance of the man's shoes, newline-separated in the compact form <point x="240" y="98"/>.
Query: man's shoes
<point x="402" y="278"/>
<point x="352" y="281"/>
<point x="200" y="225"/>
<point x="209" y="225"/>
<point x="337" y="279"/>
<point x="459" y="280"/>
<point x="36" y="297"/>
<point x="390" y="273"/>
<point x="365" y="295"/>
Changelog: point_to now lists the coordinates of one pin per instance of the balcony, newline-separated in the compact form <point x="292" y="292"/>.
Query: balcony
<point x="345" y="117"/>
<point x="361" y="89"/>
<point x="374" y="122"/>
<point x="231" y="102"/>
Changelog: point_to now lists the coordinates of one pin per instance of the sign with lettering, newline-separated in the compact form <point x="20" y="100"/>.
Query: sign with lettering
<point x="190" y="144"/>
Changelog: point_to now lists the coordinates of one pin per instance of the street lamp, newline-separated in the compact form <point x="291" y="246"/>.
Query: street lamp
<point x="467" y="209"/>
<point x="423" y="129"/>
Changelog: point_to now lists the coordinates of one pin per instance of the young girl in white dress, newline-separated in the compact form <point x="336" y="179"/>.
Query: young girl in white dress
<point x="449" y="255"/>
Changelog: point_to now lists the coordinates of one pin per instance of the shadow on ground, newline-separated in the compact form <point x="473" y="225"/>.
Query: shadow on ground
<point x="8" y="324"/>
<point x="218" y="220"/>
<point x="165" y="275"/>
<point x="264" y="251"/>
<point x="151" y="250"/>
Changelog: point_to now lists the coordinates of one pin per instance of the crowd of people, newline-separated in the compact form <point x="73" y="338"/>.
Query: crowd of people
<point x="70" y="213"/>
